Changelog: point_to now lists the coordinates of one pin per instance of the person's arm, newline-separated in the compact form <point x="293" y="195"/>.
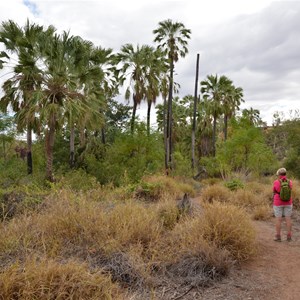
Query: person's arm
<point x="276" y="187"/>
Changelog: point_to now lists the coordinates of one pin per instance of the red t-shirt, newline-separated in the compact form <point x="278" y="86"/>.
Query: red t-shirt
<point x="276" y="190"/>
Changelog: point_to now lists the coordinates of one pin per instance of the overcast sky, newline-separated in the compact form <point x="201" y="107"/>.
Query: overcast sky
<point x="256" y="43"/>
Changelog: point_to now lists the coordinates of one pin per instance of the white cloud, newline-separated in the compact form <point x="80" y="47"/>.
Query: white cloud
<point x="255" y="43"/>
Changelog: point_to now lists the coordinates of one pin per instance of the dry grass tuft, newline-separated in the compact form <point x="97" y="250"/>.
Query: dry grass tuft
<point x="186" y="257"/>
<point x="217" y="193"/>
<point x="296" y="193"/>
<point x="170" y="187"/>
<point x="51" y="280"/>
<point x="168" y="214"/>
<point x="262" y="213"/>
<point x="230" y="228"/>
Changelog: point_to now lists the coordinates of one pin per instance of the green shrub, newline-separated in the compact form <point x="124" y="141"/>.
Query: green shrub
<point x="78" y="180"/>
<point x="234" y="184"/>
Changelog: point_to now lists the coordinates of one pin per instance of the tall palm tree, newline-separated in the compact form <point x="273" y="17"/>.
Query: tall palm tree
<point x="172" y="38"/>
<point x="24" y="43"/>
<point x="64" y="93"/>
<point x="204" y="129"/>
<point x="133" y="64"/>
<point x="213" y="91"/>
<point x="89" y="64"/>
<point x="155" y="74"/>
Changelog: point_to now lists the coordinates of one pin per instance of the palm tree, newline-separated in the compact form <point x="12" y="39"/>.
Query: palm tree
<point x="213" y="91"/>
<point x="65" y="93"/>
<point x="204" y="129"/>
<point x="133" y="64"/>
<point x="172" y="38"/>
<point x="252" y="116"/>
<point x="89" y="63"/>
<point x="233" y="96"/>
<point x="25" y="43"/>
<point x="155" y="72"/>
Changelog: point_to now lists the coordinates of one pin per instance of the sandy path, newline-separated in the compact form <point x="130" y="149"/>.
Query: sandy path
<point x="274" y="274"/>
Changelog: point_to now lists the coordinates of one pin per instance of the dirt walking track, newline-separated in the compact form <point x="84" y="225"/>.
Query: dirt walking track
<point x="274" y="274"/>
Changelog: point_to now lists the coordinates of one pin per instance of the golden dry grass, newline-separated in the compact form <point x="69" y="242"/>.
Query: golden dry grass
<point x="230" y="228"/>
<point x="132" y="240"/>
<point x="256" y="198"/>
<point x="47" y="279"/>
<point x="216" y="192"/>
<point x="168" y="187"/>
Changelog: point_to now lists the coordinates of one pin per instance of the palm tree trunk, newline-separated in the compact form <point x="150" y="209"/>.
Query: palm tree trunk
<point x="194" y="112"/>
<point x="50" y="134"/>
<point x="103" y="139"/>
<point x="214" y="135"/>
<point x="169" y="118"/>
<point x="133" y="117"/>
<point x="225" y="126"/>
<point x="165" y="133"/>
<point x="29" y="149"/>
<point x="72" y="147"/>
<point x="148" y="117"/>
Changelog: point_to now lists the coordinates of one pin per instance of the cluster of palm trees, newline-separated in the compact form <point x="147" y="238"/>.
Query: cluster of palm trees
<point x="221" y="99"/>
<point x="151" y="73"/>
<point x="57" y="81"/>
<point x="62" y="81"/>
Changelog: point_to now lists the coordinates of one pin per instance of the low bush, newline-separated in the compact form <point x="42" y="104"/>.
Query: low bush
<point x="234" y="184"/>
<point x="19" y="199"/>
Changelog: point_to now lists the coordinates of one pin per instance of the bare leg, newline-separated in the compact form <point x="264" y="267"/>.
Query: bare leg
<point x="278" y="225"/>
<point x="289" y="225"/>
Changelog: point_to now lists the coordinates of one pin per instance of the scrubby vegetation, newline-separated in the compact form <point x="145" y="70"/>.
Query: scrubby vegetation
<point x="93" y="243"/>
<point x="99" y="205"/>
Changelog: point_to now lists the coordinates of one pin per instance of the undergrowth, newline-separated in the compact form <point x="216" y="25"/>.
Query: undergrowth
<point x="105" y="239"/>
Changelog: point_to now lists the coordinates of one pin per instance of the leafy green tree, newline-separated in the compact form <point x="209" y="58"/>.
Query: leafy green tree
<point x="7" y="132"/>
<point x="290" y="134"/>
<point x="245" y="151"/>
<point x="25" y="44"/>
<point x="129" y="158"/>
<point x="117" y="116"/>
<point x="172" y="38"/>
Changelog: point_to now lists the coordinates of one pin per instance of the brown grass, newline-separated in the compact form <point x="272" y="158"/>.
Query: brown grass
<point x="216" y="192"/>
<point x="256" y="198"/>
<point x="230" y="228"/>
<point x="51" y="280"/>
<point x="133" y="241"/>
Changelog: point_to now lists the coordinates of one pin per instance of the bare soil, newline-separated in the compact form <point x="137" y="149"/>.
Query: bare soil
<point x="273" y="274"/>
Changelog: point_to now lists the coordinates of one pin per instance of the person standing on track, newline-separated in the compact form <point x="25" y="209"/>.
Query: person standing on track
<point x="282" y="205"/>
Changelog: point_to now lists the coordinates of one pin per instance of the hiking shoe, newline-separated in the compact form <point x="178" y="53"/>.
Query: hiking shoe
<point x="277" y="238"/>
<point x="289" y="238"/>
